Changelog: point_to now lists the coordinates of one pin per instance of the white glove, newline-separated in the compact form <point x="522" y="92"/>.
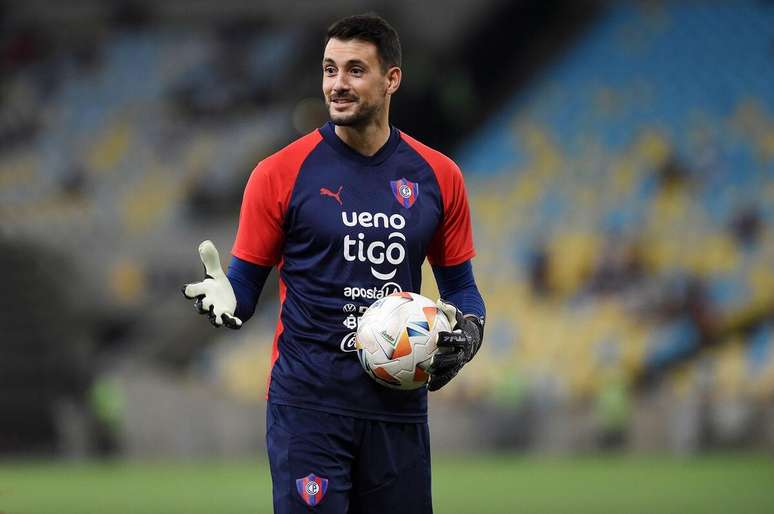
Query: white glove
<point x="214" y="295"/>
<point x="450" y="311"/>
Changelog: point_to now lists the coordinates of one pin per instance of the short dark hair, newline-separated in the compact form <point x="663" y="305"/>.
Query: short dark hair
<point x="374" y="29"/>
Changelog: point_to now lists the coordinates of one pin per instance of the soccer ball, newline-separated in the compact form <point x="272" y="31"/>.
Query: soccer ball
<point x="396" y="339"/>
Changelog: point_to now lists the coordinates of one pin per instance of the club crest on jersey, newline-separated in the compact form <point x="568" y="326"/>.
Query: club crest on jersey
<point x="312" y="489"/>
<point x="405" y="192"/>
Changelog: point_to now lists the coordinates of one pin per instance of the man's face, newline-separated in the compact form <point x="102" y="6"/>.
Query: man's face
<point x="354" y="85"/>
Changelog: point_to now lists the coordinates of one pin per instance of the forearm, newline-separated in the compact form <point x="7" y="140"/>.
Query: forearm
<point x="247" y="281"/>
<point x="463" y="306"/>
<point x="457" y="285"/>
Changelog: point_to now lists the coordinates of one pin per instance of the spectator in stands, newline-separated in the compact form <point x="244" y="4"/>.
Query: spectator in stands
<point x="538" y="269"/>
<point x="673" y="174"/>
<point x="747" y="226"/>
<point x="620" y="265"/>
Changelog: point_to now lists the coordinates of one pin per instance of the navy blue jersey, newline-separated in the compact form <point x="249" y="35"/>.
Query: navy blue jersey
<point x="344" y="230"/>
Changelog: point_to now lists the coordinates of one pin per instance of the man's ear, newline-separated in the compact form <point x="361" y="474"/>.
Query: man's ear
<point x="394" y="76"/>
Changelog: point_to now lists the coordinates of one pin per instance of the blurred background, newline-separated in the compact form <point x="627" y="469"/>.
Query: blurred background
<point x="619" y="158"/>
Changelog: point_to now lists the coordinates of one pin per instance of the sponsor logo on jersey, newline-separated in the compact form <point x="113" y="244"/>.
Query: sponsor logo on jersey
<point x="350" y="321"/>
<point x="312" y="489"/>
<point x="348" y="342"/>
<point x="405" y="191"/>
<point x="359" y="248"/>
<point x="371" y="293"/>
<point x="324" y="191"/>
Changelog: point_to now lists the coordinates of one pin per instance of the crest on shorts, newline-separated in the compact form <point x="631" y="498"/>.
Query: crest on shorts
<point x="405" y="192"/>
<point x="312" y="489"/>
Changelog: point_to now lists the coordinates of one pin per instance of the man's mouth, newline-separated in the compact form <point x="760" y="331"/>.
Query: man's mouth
<point x="342" y="101"/>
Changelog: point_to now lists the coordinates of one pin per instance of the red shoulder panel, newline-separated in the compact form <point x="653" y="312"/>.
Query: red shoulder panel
<point x="265" y="202"/>
<point x="453" y="241"/>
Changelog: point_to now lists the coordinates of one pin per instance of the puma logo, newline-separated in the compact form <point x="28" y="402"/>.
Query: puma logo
<point x="337" y="195"/>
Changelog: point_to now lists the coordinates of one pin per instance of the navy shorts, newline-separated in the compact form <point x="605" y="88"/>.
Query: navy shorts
<point x="335" y="464"/>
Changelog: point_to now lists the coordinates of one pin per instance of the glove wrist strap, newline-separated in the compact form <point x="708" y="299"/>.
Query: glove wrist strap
<point x="478" y="321"/>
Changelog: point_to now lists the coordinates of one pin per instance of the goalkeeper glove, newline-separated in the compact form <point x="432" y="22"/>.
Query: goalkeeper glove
<point x="455" y="348"/>
<point x="213" y="296"/>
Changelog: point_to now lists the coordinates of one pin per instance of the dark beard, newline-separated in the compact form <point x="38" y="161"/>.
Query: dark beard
<point x="359" y="119"/>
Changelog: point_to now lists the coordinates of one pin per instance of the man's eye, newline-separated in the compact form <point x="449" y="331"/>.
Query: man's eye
<point x="357" y="71"/>
<point x="329" y="70"/>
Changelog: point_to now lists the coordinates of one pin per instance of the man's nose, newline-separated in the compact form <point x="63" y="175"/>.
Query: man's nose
<point x="341" y="84"/>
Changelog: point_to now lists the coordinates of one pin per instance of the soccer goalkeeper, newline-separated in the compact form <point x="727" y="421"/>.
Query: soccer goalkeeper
<point x="348" y="214"/>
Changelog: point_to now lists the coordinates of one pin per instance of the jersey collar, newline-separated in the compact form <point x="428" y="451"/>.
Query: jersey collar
<point x="329" y="134"/>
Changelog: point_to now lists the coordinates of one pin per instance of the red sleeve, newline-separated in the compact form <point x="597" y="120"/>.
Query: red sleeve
<point x="453" y="240"/>
<point x="261" y="235"/>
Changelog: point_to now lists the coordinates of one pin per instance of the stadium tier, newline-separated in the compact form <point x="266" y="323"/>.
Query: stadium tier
<point x="624" y="205"/>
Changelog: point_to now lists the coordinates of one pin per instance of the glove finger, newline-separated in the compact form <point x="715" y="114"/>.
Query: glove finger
<point x="217" y="313"/>
<point x="438" y="381"/>
<point x="210" y="258"/>
<point x="207" y="304"/>
<point x="214" y="320"/>
<point x="191" y="291"/>
<point x="231" y="322"/>
<point x="198" y="305"/>
<point x="223" y="318"/>
<point x="443" y="362"/>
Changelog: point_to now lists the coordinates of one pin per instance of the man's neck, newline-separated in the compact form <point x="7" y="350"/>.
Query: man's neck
<point x="365" y="140"/>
